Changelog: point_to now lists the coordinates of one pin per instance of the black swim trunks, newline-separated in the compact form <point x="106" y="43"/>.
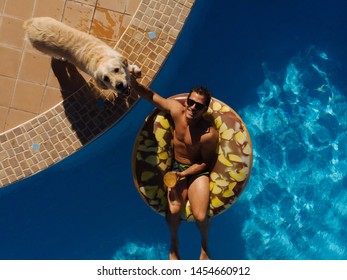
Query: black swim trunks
<point x="180" y="167"/>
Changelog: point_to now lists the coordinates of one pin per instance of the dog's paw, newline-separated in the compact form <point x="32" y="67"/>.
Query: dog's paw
<point x="135" y="70"/>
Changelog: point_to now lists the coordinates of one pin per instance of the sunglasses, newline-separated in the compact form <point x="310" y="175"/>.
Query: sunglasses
<point x="198" y="106"/>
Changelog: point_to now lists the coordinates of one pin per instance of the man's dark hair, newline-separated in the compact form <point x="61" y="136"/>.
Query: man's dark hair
<point x="202" y="91"/>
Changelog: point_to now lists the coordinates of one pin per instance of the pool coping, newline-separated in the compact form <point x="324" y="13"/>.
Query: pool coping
<point x="88" y="111"/>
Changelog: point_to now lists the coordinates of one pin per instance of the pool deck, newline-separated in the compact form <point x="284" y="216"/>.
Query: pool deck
<point x="49" y="110"/>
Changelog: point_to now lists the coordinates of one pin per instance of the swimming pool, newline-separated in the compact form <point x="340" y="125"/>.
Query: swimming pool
<point x="281" y="65"/>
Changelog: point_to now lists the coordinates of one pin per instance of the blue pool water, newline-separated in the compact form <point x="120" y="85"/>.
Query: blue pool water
<point x="282" y="66"/>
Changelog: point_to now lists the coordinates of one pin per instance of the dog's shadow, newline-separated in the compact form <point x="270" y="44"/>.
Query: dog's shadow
<point x="89" y="109"/>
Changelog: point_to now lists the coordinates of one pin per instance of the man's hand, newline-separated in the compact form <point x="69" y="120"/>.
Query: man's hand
<point x="180" y="176"/>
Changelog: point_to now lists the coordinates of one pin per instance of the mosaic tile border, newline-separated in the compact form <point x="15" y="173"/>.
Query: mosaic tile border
<point x="87" y="111"/>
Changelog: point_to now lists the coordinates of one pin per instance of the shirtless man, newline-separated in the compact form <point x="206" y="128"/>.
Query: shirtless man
<point x="195" y="141"/>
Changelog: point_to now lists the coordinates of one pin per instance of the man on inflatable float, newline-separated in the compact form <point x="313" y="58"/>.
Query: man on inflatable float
<point x="195" y="141"/>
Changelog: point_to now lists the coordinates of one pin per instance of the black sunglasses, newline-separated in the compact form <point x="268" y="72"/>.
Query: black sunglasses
<point x="198" y="106"/>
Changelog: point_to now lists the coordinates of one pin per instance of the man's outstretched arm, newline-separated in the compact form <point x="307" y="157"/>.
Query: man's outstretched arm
<point x="153" y="97"/>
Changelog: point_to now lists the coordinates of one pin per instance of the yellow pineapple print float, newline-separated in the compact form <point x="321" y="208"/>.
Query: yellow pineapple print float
<point x="153" y="152"/>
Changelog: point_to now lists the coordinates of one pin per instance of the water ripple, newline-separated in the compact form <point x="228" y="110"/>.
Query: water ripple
<point x="297" y="193"/>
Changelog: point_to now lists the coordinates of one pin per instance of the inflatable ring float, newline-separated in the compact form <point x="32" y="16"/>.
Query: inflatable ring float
<point x="153" y="152"/>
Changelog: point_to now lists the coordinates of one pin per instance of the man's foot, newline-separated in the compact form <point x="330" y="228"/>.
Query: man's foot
<point x="174" y="251"/>
<point x="204" y="254"/>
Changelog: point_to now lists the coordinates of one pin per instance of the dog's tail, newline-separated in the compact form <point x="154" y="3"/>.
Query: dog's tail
<point x="27" y="23"/>
<point x="36" y="28"/>
<point x="26" y="26"/>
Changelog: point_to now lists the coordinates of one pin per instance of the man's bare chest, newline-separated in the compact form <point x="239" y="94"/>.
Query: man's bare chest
<point x="187" y="137"/>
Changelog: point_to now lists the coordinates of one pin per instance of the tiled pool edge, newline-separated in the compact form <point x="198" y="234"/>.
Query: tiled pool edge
<point x="89" y="112"/>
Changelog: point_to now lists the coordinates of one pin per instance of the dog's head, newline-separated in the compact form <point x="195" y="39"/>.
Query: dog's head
<point x="114" y="74"/>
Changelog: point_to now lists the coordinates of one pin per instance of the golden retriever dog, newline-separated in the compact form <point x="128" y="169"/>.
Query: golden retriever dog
<point x="91" y="55"/>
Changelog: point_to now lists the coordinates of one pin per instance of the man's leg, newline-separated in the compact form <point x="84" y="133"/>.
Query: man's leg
<point x="199" y="198"/>
<point x="176" y="197"/>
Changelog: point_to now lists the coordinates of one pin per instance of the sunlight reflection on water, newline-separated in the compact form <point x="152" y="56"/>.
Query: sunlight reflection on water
<point x="296" y="194"/>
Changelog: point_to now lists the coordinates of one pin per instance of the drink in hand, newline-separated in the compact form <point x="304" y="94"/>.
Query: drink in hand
<point x="170" y="179"/>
